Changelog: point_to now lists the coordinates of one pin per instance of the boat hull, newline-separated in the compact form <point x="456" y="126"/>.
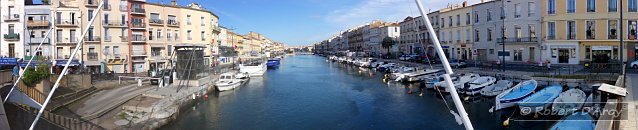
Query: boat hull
<point x="253" y="71"/>
<point x="521" y="91"/>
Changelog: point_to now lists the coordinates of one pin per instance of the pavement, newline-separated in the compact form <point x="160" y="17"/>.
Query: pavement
<point x="632" y="100"/>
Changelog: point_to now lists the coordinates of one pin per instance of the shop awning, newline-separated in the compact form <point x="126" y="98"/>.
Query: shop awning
<point x="8" y="61"/>
<point x="33" y="63"/>
<point x="63" y="62"/>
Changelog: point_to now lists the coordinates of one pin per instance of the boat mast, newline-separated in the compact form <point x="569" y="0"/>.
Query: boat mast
<point x="448" y="69"/>
<point x="66" y="66"/>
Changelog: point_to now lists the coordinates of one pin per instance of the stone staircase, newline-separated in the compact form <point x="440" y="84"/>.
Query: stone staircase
<point x="66" y="99"/>
<point x="64" y="122"/>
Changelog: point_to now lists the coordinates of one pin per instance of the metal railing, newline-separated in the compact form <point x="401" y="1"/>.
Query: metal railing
<point x="106" y="7"/>
<point x="138" y="38"/>
<point x="37" y="23"/>
<point x="11" y="37"/>
<point x="92" y="56"/>
<point x="156" y="21"/>
<point x="138" y="10"/>
<point x="124" y="38"/>
<point x="123" y="8"/>
<point x="114" y="23"/>
<point x="173" y="23"/>
<point x="67" y="22"/>
<point x="91" y="3"/>
<point x="517" y="40"/>
<point x="138" y="25"/>
<point x="11" y="17"/>
<point x="37" y="40"/>
<point x="66" y="41"/>
<point x="92" y="39"/>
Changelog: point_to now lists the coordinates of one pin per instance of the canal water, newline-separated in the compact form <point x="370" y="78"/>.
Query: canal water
<point x="307" y="92"/>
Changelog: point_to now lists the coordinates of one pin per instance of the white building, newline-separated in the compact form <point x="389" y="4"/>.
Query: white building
<point x="12" y="27"/>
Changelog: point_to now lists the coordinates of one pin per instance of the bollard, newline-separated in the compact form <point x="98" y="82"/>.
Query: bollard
<point x="139" y="82"/>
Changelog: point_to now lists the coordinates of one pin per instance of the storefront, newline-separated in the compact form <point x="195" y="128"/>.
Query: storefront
<point x="606" y="52"/>
<point x="562" y="53"/>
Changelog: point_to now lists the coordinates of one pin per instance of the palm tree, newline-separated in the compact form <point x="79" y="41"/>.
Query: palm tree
<point x="387" y="42"/>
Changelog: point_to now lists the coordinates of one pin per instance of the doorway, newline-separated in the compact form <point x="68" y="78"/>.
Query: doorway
<point x="563" y="56"/>
<point x="532" y="54"/>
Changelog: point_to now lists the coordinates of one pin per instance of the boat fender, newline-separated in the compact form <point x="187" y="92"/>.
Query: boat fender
<point x="467" y="98"/>
<point x="457" y="117"/>
<point x="506" y="123"/>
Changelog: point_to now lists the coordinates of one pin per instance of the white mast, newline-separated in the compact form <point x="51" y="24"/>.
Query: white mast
<point x="66" y="66"/>
<point x="448" y="70"/>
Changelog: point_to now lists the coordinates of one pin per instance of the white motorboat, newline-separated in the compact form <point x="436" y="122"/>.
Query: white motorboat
<point x="478" y="84"/>
<point x="569" y="101"/>
<point x="227" y="81"/>
<point x="496" y="89"/>
<point x="510" y="97"/>
<point x="458" y="83"/>
<point x="254" y="69"/>
<point x="421" y="75"/>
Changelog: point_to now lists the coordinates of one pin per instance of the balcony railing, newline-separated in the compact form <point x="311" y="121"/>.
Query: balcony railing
<point x="139" y="53"/>
<point x="91" y="3"/>
<point x="138" y="25"/>
<point x="92" y="39"/>
<point x="518" y="40"/>
<point x="37" y="23"/>
<point x="551" y="12"/>
<point x="92" y="56"/>
<point x="66" y="41"/>
<point x="11" y="17"/>
<point x="138" y="11"/>
<point x="217" y="28"/>
<point x="613" y="37"/>
<point x="138" y="38"/>
<point x="12" y="37"/>
<point x="550" y="37"/>
<point x="37" y="40"/>
<point x="156" y="22"/>
<point x="124" y="38"/>
<point x="173" y="23"/>
<point x="114" y="23"/>
<point x="107" y="38"/>
<point x="67" y="22"/>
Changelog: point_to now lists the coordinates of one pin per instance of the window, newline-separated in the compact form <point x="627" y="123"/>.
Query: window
<point x="632" y="6"/>
<point x="203" y="36"/>
<point x="551" y="6"/>
<point x="492" y="51"/>
<point x="116" y="51"/>
<point x="106" y="18"/>
<point x="632" y="29"/>
<point x="442" y="22"/>
<point x="517" y="10"/>
<point x="591" y="5"/>
<point x="590" y="29"/>
<point x="551" y="30"/>
<point x="571" y="6"/>
<point x="518" y="55"/>
<point x="477" y="36"/>
<point x="467" y="18"/>
<point x="531" y="9"/>
<point x="168" y="35"/>
<point x="450" y="20"/>
<point x="107" y="35"/>
<point x="189" y="35"/>
<point x="571" y="30"/>
<point x="613" y="5"/>
<point x="587" y="52"/>
<point x="203" y="23"/>
<point x="489" y="34"/>
<point x="458" y="36"/>
<point x="468" y="35"/>
<point x="188" y="20"/>
<point x="476" y="17"/>
<point x="176" y="35"/>
<point x="156" y="51"/>
<point x="519" y="32"/>
<point x="58" y="36"/>
<point x="611" y="25"/>
<point x="150" y="34"/>
<point x="450" y="36"/>
<point x="159" y="34"/>
<point x="169" y="49"/>
<point x="90" y="15"/>
<point x="489" y="15"/>
<point x="532" y="31"/>
<point x="458" y="20"/>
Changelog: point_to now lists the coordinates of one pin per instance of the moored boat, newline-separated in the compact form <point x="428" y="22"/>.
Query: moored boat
<point x="569" y="101"/>
<point x="498" y="88"/>
<point x="253" y="69"/>
<point x="575" y="121"/>
<point x="540" y="100"/>
<point x="273" y="63"/>
<point x="510" y="97"/>
<point x="227" y="81"/>
<point x="478" y="84"/>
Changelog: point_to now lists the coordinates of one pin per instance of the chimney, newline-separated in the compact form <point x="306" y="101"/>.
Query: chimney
<point x="174" y="2"/>
<point x="465" y="3"/>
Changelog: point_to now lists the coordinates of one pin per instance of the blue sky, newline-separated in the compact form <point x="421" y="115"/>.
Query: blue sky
<point x="303" y="22"/>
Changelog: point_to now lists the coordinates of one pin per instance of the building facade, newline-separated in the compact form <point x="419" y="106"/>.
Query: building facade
<point x="12" y="28"/>
<point x="38" y="20"/>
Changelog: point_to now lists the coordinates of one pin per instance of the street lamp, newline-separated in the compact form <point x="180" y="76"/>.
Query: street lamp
<point x="503" y="34"/>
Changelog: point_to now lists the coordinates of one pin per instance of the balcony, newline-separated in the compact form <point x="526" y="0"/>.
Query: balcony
<point x="157" y="22"/>
<point x="123" y="8"/>
<point x="124" y="38"/>
<point x="217" y="29"/>
<point x="91" y="3"/>
<point x="106" y="7"/>
<point x="37" y="40"/>
<point x="11" y="17"/>
<point x="12" y="37"/>
<point x="67" y="23"/>
<point x="92" y="39"/>
<point x="172" y="23"/>
<point x="550" y="37"/>
<point x="138" y="25"/>
<point x="37" y="23"/>
<point x="518" y="40"/>
<point x="107" y="38"/>
<point x="138" y="11"/>
<point x="92" y="56"/>
<point x="138" y="39"/>
<point x="612" y="37"/>
<point x="115" y="24"/>
<point x="66" y="41"/>
<point x="139" y="53"/>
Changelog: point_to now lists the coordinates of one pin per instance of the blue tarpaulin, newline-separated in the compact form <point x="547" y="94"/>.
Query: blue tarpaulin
<point x="8" y="61"/>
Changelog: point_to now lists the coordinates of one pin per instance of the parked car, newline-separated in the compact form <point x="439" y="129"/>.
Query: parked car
<point x="404" y="57"/>
<point x="634" y="64"/>
<point x="162" y="74"/>
<point x="458" y="64"/>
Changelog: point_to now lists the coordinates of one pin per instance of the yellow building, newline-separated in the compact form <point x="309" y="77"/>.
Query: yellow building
<point x="114" y="48"/>
<point x="237" y="41"/>
<point x="163" y="33"/>
<point x="455" y="31"/>
<point x="577" y="31"/>
<point x="198" y="27"/>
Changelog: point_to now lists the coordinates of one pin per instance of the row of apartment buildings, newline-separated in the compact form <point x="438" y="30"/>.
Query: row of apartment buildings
<point x="526" y="31"/>
<point x="126" y="35"/>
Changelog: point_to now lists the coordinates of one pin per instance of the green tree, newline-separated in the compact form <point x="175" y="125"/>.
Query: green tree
<point x="33" y="76"/>
<point x="387" y="43"/>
